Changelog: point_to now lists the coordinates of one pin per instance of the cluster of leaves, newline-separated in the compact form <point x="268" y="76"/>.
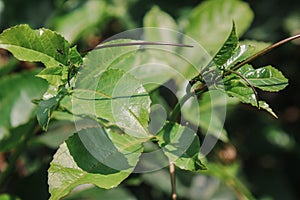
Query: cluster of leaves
<point x="240" y="79"/>
<point x="119" y="141"/>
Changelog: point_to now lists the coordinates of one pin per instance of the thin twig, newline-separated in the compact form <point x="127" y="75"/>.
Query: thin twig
<point x="111" y="98"/>
<point x="264" y="51"/>
<point x="173" y="181"/>
<point x="137" y="43"/>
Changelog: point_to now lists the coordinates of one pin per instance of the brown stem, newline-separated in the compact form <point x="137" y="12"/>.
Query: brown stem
<point x="173" y="181"/>
<point x="264" y="51"/>
<point x="138" y="43"/>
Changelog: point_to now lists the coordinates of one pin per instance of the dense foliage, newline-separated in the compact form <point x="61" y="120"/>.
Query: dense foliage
<point x="95" y="115"/>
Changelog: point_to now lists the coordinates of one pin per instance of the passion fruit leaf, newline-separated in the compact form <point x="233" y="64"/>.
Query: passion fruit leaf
<point x="41" y="45"/>
<point x="119" y="98"/>
<point x="96" y="156"/>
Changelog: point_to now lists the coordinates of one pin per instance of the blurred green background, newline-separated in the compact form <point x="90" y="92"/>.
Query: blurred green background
<point x="267" y="149"/>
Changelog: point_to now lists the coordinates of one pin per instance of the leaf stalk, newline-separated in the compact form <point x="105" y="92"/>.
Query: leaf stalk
<point x="173" y="180"/>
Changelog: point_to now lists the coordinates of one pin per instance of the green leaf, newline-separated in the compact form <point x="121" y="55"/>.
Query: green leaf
<point x="265" y="78"/>
<point x="265" y="106"/>
<point x="148" y="65"/>
<point x="88" y="15"/>
<point x="16" y="94"/>
<point x="245" y="94"/>
<point x="99" y="60"/>
<point x="243" y="51"/>
<point x="229" y="54"/>
<point x="155" y="68"/>
<point x="40" y="45"/>
<point x="242" y="91"/>
<point x="237" y="51"/>
<point x="227" y="49"/>
<point x="95" y="156"/>
<point x="52" y="74"/>
<point x="210" y="22"/>
<point x="155" y="24"/>
<point x="160" y="62"/>
<point x="184" y="61"/>
<point x="75" y="57"/>
<point x="159" y="19"/>
<point x="46" y="108"/>
<point x="118" y="98"/>
<point x="181" y="145"/>
<point x="240" y="54"/>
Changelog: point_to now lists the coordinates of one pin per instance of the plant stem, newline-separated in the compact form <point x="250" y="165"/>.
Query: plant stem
<point x="173" y="181"/>
<point x="264" y="51"/>
<point x="173" y="118"/>
<point x="18" y="151"/>
<point x="102" y="46"/>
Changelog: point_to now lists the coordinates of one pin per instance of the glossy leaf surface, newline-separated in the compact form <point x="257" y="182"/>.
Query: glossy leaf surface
<point x="245" y="94"/>
<point x="265" y="78"/>
<point x="96" y="156"/>
<point x="227" y="49"/>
